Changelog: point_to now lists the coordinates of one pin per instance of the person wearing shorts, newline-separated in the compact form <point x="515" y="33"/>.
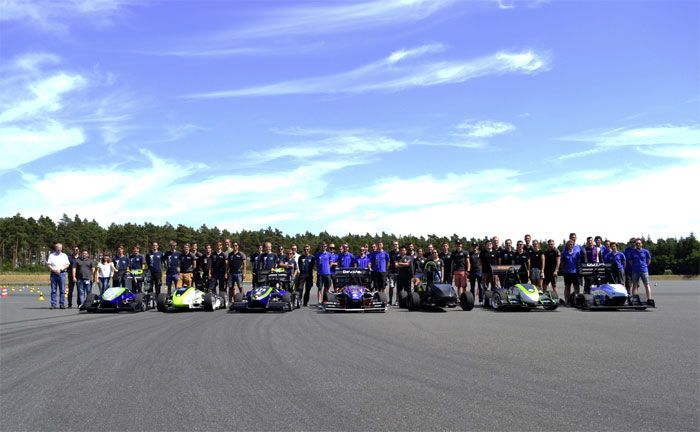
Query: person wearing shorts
<point x="187" y="263"/>
<point x="235" y="269"/>
<point x="323" y="260"/>
<point x="570" y="261"/>
<point x="459" y="263"/>
<point x="173" y="258"/>
<point x="640" y="260"/>
<point x="379" y="267"/>
<point x="552" y="260"/>
<point x="536" y="264"/>
<point x="306" y="273"/>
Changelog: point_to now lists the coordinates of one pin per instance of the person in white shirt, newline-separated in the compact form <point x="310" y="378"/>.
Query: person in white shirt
<point x="105" y="272"/>
<point x="58" y="263"/>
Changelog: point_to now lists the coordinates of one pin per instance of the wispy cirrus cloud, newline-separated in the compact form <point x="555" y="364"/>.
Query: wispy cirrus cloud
<point x="54" y="15"/>
<point x="399" y="71"/>
<point x="644" y="139"/>
<point x="483" y="128"/>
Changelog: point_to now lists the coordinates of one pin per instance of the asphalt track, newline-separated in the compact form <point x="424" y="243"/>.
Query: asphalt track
<point x="304" y="370"/>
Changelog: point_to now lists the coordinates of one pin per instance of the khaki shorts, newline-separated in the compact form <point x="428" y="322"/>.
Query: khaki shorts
<point x="185" y="280"/>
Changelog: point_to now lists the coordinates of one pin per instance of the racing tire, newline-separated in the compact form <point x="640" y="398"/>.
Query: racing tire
<point x="287" y="299"/>
<point x="161" y="302"/>
<point x="89" y="302"/>
<point x="403" y="299"/>
<point x="496" y="300"/>
<point x="208" y="302"/>
<point x="466" y="300"/>
<point x="238" y="297"/>
<point x="413" y="302"/>
<point x="140" y="305"/>
<point x="551" y="307"/>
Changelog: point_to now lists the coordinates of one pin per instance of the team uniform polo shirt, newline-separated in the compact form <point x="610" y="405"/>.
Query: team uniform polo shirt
<point x="155" y="261"/>
<point x="306" y="264"/>
<point x="446" y="258"/>
<point x="380" y="261"/>
<point x="363" y="261"/>
<point x="570" y="260"/>
<point x="536" y="259"/>
<point x="136" y="261"/>
<point x="394" y="256"/>
<point x="475" y="262"/>
<point x="616" y="259"/>
<point x="419" y="264"/>
<point x="218" y="263"/>
<point x="438" y="266"/>
<point x="459" y="260"/>
<point x="405" y="272"/>
<point x="521" y="259"/>
<point x="187" y="262"/>
<point x="121" y="263"/>
<point x="550" y="260"/>
<point x="345" y="259"/>
<point x="507" y="256"/>
<point x="488" y="259"/>
<point x="323" y="263"/>
<point x="638" y="260"/>
<point x="235" y="262"/>
<point x="334" y="258"/>
<point x="172" y="262"/>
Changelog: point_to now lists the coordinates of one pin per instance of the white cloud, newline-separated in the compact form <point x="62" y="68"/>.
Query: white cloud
<point x="46" y="97"/>
<point x="484" y="129"/>
<point x="54" y="15"/>
<point x="344" y="145"/>
<point x="397" y="72"/>
<point x="643" y="139"/>
<point x="19" y="146"/>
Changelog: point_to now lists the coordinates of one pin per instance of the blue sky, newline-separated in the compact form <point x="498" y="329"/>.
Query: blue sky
<point x="405" y="116"/>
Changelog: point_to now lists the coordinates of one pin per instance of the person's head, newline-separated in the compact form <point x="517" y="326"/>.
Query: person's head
<point x="411" y="247"/>
<point x="638" y="244"/>
<point x="536" y="244"/>
<point x="431" y="248"/>
<point x="520" y="245"/>
<point x="570" y="244"/>
<point x="598" y="240"/>
<point x="173" y="245"/>
<point x="290" y="253"/>
<point x="395" y="245"/>
<point x="528" y="238"/>
<point x="607" y="244"/>
<point x="572" y="236"/>
<point x="363" y="250"/>
<point x="155" y="246"/>
<point x="76" y="249"/>
<point x="495" y="241"/>
<point x="613" y="246"/>
<point x="137" y="249"/>
<point x="268" y="247"/>
<point x="227" y="243"/>
<point x="420" y="252"/>
<point x="632" y="241"/>
<point x="509" y="244"/>
<point x="331" y="248"/>
<point x="194" y="247"/>
<point x="106" y="259"/>
<point x="489" y="245"/>
<point x="323" y="247"/>
<point x="374" y="247"/>
<point x="236" y="246"/>
<point x="550" y="244"/>
<point x="380" y="245"/>
<point x="445" y="247"/>
<point x="475" y="247"/>
<point x="260" y="247"/>
<point x="458" y="245"/>
<point x="280" y="249"/>
<point x="219" y="245"/>
<point x="207" y="247"/>
<point x="403" y="249"/>
<point x="120" y="251"/>
<point x="85" y="254"/>
<point x="307" y="249"/>
<point x="186" y="248"/>
<point x="589" y="241"/>
<point x="294" y="247"/>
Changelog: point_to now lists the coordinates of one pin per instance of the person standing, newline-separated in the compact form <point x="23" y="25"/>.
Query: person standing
<point x="628" y="270"/>
<point x="570" y="261"/>
<point x="522" y="259"/>
<point x="379" y="266"/>
<point x="323" y="271"/>
<point x="218" y="271"/>
<point x="640" y="259"/>
<point x="446" y="257"/>
<point x="404" y="267"/>
<point x="345" y="258"/>
<point x="235" y="268"/>
<point x="460" y="265"/>
<point x="121" y="264"/>
<point x="552" y="260"/>
<point x="154" y="261"/>
<point x="536" y="264"/>
<point x="475" y="273"/>
<point x="291" y="268"/>
<point x="434" y="268"/>
<point x="173" y="260"/>
<point x="507" y="254"/>
<point x="204" y="264"/>
<point x="616" y="259"/>
<point x="58" y="263"/>
<point x="198" y="274"/>
<point x="188" y="261"/>
<point x="136" y="262"/>
<point x="489" y="258"/>
<point x="84" y="273"/>
<point x="418" y="267"/>
<point x="227" y="246"/>
<point x="306" y="273"/>
<point x="254" y="257"/>
<point x="71" y="281"/>
<point x="363" y="260"/>
<point x="529" y="248"/>
<point x="591" y="254"/>
<point x="105" y="273"/>
<point x="394" y="255"/>
<point x="599" y="243"/>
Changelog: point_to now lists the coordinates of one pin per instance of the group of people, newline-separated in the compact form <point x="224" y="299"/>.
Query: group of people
<point x="222" y="268"/>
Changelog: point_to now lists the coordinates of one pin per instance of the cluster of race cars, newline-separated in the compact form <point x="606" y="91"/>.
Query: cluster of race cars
<point x="353" y="292"/>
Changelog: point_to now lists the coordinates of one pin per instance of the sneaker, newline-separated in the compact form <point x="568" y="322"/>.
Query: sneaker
<point x="52" y="307"/>
<point x="62" y="307"/>
<point x="651" y="303"/>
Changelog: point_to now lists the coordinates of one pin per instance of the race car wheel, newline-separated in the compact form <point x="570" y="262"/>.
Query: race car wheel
<point x="403" y="299"/>
<point x="208" y="302"/>
<point x="466" y="300"/>
<point x="495" y="300"/>
<point x="161" y="302"/>
<point x="139" y="305"/>
<point x="287" y="299"/>
<point x="413" y="302"/>
<point x="238" y="297"/>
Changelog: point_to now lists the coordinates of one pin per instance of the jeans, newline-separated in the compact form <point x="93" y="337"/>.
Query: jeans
<point x="171" y="280"/>
<point x="71" y="287"/>
<point x="235" y="279"/>
<point x="104" y="284"/>
<point x="84" y="289"/>
<point x="58" y="285"/>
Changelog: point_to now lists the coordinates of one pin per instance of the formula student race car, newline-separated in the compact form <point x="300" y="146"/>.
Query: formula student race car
<point x="603" y="295"/>
<point x="353" y="293"/>
<point x="190" y="298"/>
<point x="513" y="295"/>
<point x="269" y="294"/>
<point x="115" y="299"/>
<point x="429" y="295"/>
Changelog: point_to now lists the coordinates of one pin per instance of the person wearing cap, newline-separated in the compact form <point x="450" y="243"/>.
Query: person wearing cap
<point x="460" y="265"/>
<point x="58" y="263"/>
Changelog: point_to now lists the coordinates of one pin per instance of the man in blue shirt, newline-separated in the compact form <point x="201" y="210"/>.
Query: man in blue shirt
<point x="306" y="272"/>
<point x="323" y="271"/>
<point x="172" y="266"/>
<point x="640" y="259"/>
<point x="570" y="260"/>
<point x="617" y="260"/>
<point x="379" y="266"/>
<point x="154" y="260"/>
<point x="136" y="262"/>
<point x="121" y="263"/>
<point x="363" y="260"/>
<point x="345" y="258"/>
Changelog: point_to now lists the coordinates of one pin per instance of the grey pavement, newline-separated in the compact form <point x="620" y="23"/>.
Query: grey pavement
<point x="306" y="370"/>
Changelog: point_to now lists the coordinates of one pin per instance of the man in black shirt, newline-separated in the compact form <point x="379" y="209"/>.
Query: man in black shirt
<point x="235" y="268"/>
<point x="188" y="262"/>
<point x="218" y="270"/>
<point x="200" y="268"/>
<point x="536" y="264"/>
<point x="172" y="267"/>
<point x="434" y="268"/>
<point x="204" y="263"/>
<point x="522" y="258"/>
<point x="552" y="259"/>
<point x="475" y="275"/>
<point x="418" y="267"/>
<point x="446" y="258"/>
<point x="459" y="260"/>
<point x="154" y="260"/>
<point x="489" y="257"/>
<point x="528" y="244"/>
<point x="121" y="264"/>
<point x="71" y="280"/>
<point x="254" y="257"/>
<point x="404" y="266"/>
<point x="394" y="255"/>
<point x="306" y="272"/>
<point x="506" y="254"/>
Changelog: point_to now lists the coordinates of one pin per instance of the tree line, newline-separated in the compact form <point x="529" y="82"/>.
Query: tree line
<point x="25" y="242"/>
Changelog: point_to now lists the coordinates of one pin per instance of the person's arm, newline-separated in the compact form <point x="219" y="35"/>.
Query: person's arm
<point x="245" y="265"/>
<point x="95" y="274"/>
<point x="226" y="265"/>
<point x="542" y="262"/>
<point x="648" y="258"/>
<point x="51" y="266"/>
<point x="556" y="268"/>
